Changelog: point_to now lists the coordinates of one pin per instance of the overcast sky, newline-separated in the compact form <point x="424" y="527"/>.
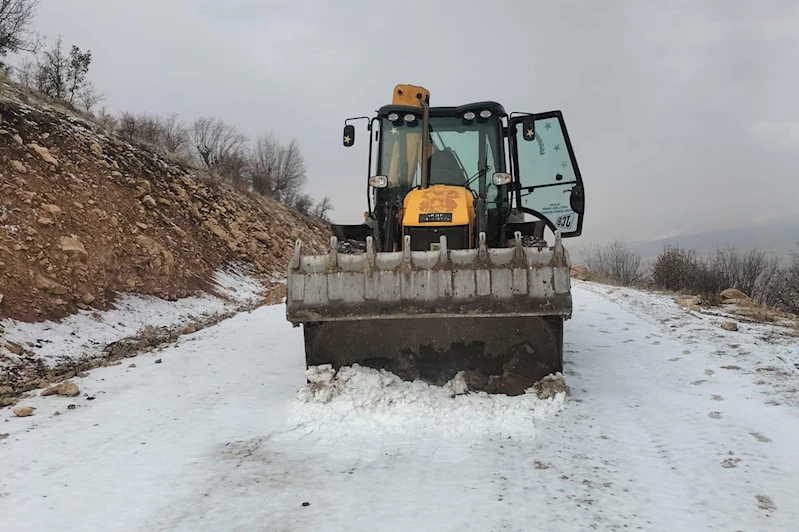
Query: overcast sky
<point x="684" y="115"/>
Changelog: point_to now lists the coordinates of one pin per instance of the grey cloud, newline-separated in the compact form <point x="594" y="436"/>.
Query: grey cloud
<point x="683" y="114"/>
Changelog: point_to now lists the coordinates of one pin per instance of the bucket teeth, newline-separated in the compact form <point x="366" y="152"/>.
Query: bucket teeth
<point x="370" y="249"/>
<point x="518" y="245"/>
<point x="295" y="257"/>
<point x="406" y="249"/>
<point x="482" y="246"/>
<point x="333" y="256"/>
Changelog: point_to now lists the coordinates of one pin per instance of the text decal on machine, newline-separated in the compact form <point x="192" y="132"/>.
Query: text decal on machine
<point x="435" y="217"/>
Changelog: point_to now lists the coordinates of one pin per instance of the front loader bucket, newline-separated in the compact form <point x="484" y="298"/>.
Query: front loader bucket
<point x="496" y="314"/>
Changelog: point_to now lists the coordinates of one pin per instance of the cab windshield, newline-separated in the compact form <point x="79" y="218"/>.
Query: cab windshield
<point x="463" y="152"/>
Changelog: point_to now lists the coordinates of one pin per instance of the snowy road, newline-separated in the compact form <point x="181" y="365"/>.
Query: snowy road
<point x="673" y="424"/>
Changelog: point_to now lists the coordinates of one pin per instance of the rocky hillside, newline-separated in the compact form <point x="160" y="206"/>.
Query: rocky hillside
<point x="85" y="215"/>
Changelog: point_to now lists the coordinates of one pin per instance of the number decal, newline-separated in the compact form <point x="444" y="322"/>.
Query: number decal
<point x="564" y="221"/>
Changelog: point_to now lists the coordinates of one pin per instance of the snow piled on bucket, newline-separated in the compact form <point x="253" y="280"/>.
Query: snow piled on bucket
<point x="363" y="400"/>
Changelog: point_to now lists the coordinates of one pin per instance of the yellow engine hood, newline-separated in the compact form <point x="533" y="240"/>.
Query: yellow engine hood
<point x="438" y="205"/>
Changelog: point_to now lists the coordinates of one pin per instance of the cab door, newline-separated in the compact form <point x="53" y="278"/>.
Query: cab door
<point x="548" y="181"/>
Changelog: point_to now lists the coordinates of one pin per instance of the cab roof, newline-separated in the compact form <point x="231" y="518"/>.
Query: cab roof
<point x="475" y="107"/>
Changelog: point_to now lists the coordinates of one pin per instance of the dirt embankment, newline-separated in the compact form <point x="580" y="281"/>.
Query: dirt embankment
<point x="85" y="215"/>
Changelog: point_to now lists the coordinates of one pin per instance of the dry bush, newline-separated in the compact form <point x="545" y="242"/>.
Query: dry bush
<point x="751" y="272"/>
<point x="614" y="262"/>
<point x="785" y="288"/>
<point x="674" y="269"/>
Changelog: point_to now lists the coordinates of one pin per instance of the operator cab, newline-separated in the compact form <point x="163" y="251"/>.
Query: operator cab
<point x="513" y="166"/>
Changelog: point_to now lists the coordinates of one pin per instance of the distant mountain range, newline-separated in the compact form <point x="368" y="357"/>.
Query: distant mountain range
<point x="777" y="237"/>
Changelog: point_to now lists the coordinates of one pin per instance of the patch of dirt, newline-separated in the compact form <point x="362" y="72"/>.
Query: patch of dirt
<point x="764" y="502"/>
<point x="759" y="437"/>
<point x="730" y="463"/>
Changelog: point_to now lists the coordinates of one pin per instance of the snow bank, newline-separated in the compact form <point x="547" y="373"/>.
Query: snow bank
<point x="237" y="283"/>
<point x="365" y="400"/>
<point x="85" y="334"/>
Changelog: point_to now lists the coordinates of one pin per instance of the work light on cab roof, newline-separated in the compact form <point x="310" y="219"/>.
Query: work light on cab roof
<point x="459" y="264"/>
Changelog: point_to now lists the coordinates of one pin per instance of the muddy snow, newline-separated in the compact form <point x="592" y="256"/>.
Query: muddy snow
<point x="657" y="433"/>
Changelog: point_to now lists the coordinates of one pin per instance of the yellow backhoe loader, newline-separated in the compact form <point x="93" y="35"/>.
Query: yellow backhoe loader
<point x="451" y="270"/>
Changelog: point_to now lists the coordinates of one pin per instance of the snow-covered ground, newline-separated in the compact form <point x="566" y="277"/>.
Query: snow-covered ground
<point x="85" y="334"/>
<point x="673" y="424"/>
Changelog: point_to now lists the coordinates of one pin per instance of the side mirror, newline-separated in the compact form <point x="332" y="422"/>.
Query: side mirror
<point x="577" y="200"/>
<point x="349" y="135"/>
<point x="528" y="128"/>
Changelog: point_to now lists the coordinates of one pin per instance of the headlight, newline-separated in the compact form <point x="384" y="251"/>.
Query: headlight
<point x="410" y="117"/>
<point x="501" y="178"/>
<point x="378" y="181"/>
<point x="485" y="114"/>
<point x="393" y="117"/>
<point x="468" y="115"/>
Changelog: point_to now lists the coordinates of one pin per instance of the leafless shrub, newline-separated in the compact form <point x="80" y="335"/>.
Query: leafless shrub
<point x="616" y="262"/>
<point x="786" y="286"/>
<point x="143" y="128"/>
<point x="735" y="269"/>
<point x="751" y="272"/>
<point x="106" y="120"/>
<point x="303" y="203"/>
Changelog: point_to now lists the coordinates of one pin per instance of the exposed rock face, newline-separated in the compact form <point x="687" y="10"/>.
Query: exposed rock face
<point x="84" y="214"/>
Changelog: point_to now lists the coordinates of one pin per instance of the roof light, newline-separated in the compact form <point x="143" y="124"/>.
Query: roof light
<point x="485" y="113"/>
<point x="410" y="117"/>
<point x="468" y="115"/>
<point x="393" y="117"/>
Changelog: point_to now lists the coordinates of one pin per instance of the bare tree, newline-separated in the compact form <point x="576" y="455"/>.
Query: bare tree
<point x="321" y="209"/>
<point x="215" y="141"/>
<point x="62" y="75"/>
<point x="16" y="32"/>
<point x="174" y="134"/>
<point x="276" y="170"/>
<point x="264" y="164"/>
